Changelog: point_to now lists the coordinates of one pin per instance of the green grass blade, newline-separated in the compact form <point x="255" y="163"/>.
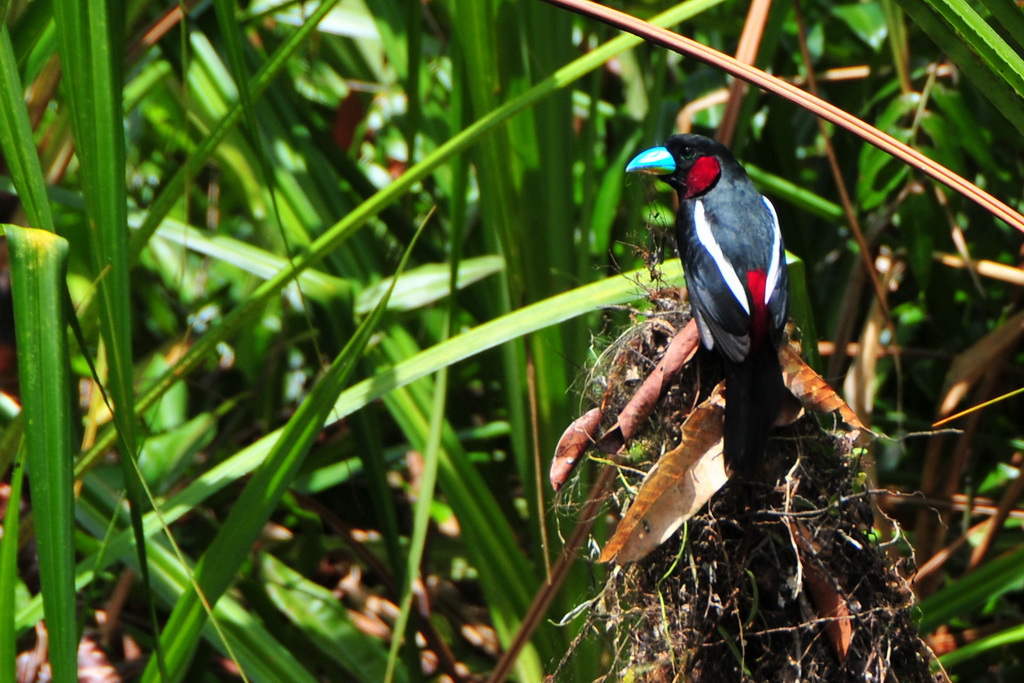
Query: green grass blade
<point x="91" y="58"/>
<point x="38" y="264"/>
<point x="421" y="519"/>
<point x="800" y="197"/>
<point x="615" y="290"/>
<point x="428" y="283"/>
<point x="319" y="613"/>
<point x="533" y="235"/>
<point x="9" y="576"/>
<point x="972" y="591"/>
<point x="994" y="52"/>
<point x="1001" y="641"/>
<point x="1008" y="14"/>
<point x="896" y="32"/>
<point x="17" y="142"/>
<point x="506" y="577"/>
<point x="233" y="42"/>
<point x="800" y="309"/>
<point x="334" y="236"/>
<point x="261" y="656"/>
<point x="258" y="500"/>
<point x="91" y="39"/>
<point x="315" y="283"/>
<point x="225" y="10"/>
<point x="175" y="187"/>
<point x="988" y="81"/>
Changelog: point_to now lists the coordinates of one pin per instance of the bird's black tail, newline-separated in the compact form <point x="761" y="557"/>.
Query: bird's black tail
<point x="753" y="395"/>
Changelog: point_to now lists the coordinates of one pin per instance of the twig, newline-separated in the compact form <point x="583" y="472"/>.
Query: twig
<point x="561" y="569"/>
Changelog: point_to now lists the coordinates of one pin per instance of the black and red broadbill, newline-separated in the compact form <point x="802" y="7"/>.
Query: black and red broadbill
<point x="729" y="241"/>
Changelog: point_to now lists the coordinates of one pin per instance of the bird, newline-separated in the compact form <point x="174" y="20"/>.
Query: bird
<point x="730" y="244"/>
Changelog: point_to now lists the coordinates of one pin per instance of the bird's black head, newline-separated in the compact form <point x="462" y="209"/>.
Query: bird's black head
<point x="691" y="164"/>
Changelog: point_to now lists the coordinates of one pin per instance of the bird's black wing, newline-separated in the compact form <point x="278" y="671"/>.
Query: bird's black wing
<point x="724" y="322"/>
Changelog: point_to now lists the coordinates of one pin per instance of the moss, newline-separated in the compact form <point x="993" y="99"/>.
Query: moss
<point x="727" y="598"/>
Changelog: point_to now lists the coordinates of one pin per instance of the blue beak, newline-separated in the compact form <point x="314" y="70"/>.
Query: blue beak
<point x="655" y="161"/>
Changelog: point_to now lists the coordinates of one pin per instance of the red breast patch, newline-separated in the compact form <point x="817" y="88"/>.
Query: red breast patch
<point x="703" y="174"/>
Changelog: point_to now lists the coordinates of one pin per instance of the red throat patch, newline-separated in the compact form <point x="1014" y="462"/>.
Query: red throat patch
<point x="703" y="174"/>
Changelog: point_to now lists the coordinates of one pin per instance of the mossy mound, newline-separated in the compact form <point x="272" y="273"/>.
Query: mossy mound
<point x="780" y="577"/>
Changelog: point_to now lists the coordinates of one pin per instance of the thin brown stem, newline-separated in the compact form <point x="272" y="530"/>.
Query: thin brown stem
<point x="844" y="194"/>
<point x="746" y="52"/>
<point x="546" y="594"/>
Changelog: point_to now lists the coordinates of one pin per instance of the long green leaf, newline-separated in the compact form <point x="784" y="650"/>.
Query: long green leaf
<point x="318" y="613"/>
<point x="16" y="139"/>
<point x="175" y="187"/>
<point x="38" y="265"/>
<point x="989" y="81"/>
<point x="612" y="291"/>
<point x="972" y="591"/>
<point x="1008" y="14"/>
<point x="999" y="57"/>
<point x="338" y="233"/>
<point x="9" y="576"/>
<point x="262" y="657"/>
<point x="234" y="540"/>
<point x="91" y="39"/>
<point x="1001" y="641"/>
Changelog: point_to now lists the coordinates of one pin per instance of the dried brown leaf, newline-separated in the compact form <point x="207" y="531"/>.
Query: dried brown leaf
<point x="829" y="601"/>
<point x="93" y="664"/>
<point x="575" y="441"/>
<point x="675" y="488"/>
<point x="678" y="353"/>
<point x="813" y="391"/>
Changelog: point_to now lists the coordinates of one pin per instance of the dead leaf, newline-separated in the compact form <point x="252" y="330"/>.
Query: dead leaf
<point x="575" y="440"/>
<point x="829" y="601"/>
<point x="678" y="353"/>
<point x="813" y="391"/>
<point x="675" y="488"/>
<point x="93" y="664"/>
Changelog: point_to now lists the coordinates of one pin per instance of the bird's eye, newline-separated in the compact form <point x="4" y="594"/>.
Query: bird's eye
<point x="689" y="153"/>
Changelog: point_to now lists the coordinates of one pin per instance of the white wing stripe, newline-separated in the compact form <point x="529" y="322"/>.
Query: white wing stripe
<point x="707" y="238"/>
<point x="776" y="263"/>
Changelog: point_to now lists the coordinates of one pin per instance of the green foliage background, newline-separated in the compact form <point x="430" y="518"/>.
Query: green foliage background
<point x="236" y="187"/>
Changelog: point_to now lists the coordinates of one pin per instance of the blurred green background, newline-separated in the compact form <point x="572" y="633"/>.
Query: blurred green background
<point x="236" y="185"/>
